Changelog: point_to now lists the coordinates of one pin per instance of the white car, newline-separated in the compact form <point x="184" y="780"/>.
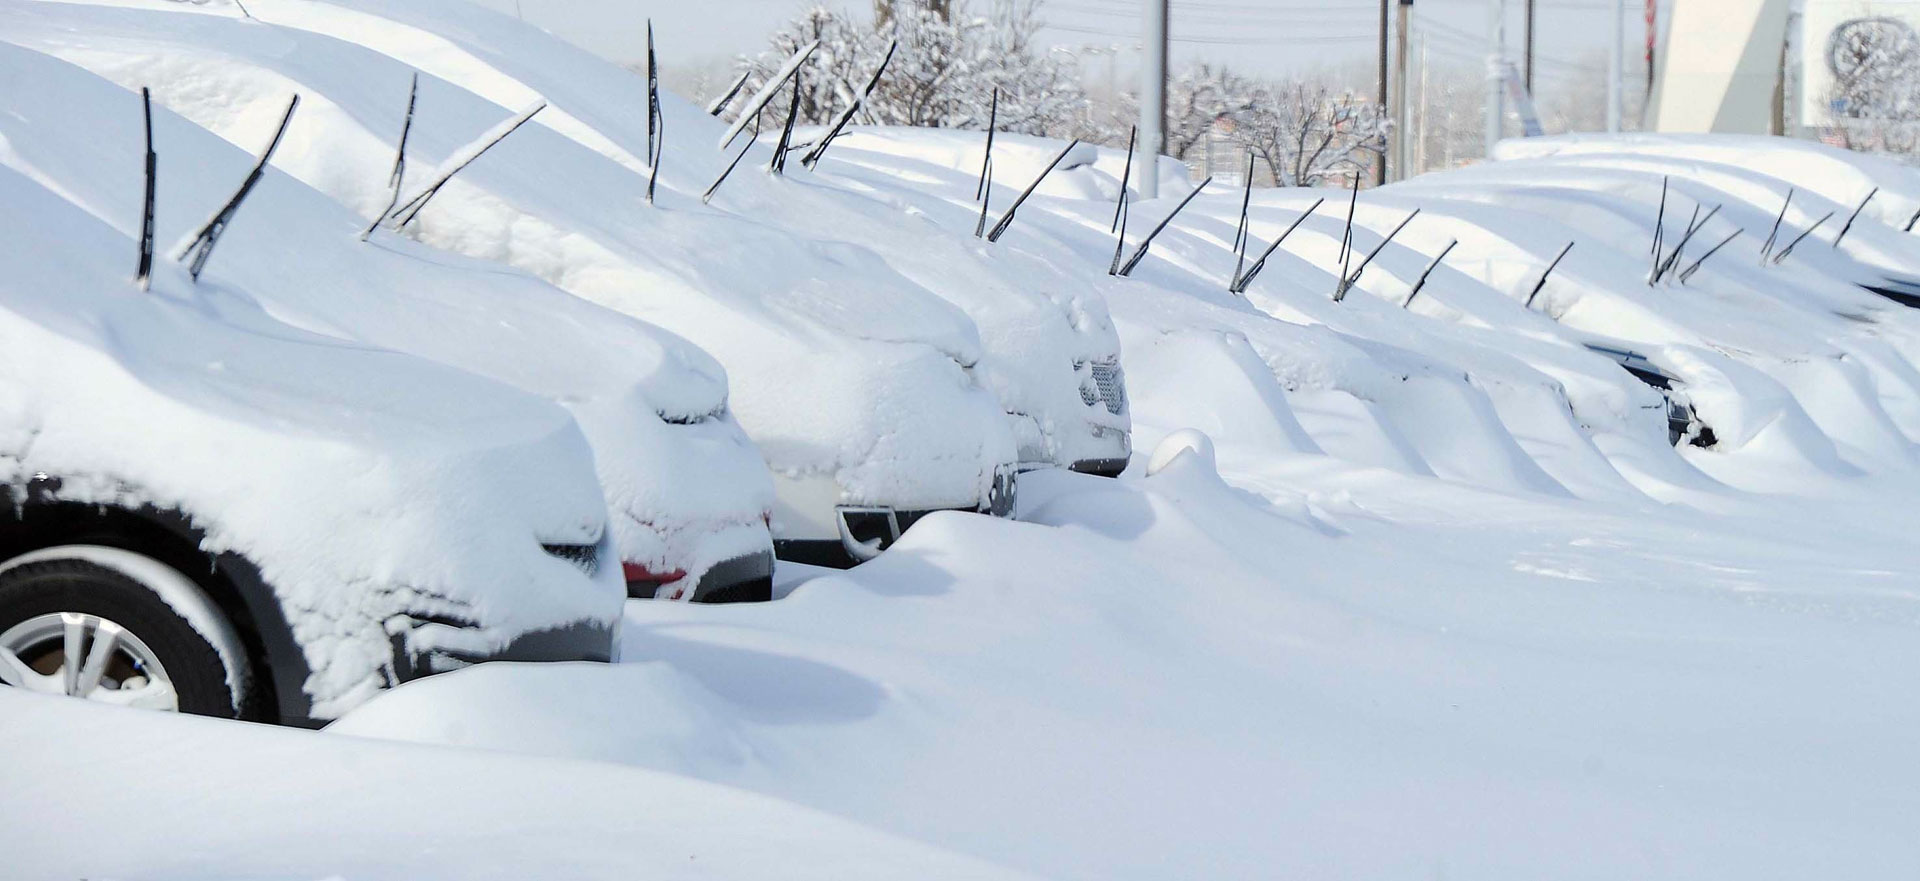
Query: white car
<point x="857" y="385"/>
<point x="688" y="492"/>
<point x="213" y="512"/>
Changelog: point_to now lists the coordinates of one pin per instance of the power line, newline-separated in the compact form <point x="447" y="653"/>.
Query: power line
<point x="1468" y="45"/>
<point x="1227" y="41"/>
<point x="1218" y="16"/>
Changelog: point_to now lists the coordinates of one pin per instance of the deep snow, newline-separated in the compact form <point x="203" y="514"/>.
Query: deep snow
<point x="1448" y="605"/>
<point x="298" y="806"/>
<point x="1343" y="672"/>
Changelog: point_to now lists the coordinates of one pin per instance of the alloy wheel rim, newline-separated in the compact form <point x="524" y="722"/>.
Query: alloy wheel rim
<point x="82" y="655"/>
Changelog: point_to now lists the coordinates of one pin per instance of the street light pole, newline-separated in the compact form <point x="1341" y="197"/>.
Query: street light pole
<point x="1529" y="78"/>
<point x="1153" y="99"/>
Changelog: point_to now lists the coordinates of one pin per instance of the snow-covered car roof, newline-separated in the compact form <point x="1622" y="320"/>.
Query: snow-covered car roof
<point x="686" y="496"/>
<point x="361" y="482"/>
<point x="828" y="348"/>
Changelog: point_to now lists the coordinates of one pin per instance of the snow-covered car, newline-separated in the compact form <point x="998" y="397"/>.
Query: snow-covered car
<point x="1049" y="348"/>
<point x="1863" y="207"/>
<point x="858" y="386"/>
<point x="1683" y="424"/>
<point x="689" y="494"/>
<point x="210" y="511"/>
<point x="1051" y="353"/>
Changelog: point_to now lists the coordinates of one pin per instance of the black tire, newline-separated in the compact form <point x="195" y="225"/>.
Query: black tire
<point x="192" y="663"/>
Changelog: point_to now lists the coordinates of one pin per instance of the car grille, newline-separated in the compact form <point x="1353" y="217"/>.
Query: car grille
<point x="1107" y="386"/>
<point x="716" y="413"/>
<point x="586" y="558"/>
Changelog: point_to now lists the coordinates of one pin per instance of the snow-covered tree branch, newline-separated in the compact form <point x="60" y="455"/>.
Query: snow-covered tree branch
<point x="950" y="61"/>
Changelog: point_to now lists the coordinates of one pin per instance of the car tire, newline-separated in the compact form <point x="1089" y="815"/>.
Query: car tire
<point x="144" y="635"/>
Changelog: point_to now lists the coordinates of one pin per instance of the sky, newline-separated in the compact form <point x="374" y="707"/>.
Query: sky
<point x="1255" y="36"/>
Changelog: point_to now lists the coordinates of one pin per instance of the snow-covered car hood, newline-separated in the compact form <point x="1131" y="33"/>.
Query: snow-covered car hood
<point x="365" y="485"/>
<point x="687" y="487"/>
<point x="1087" y="171"/>
<point x="1872" y="251"/>
<point x="1839" y="175"/>
<point x="1041" y="324"/>
<point x="800" y="322"/>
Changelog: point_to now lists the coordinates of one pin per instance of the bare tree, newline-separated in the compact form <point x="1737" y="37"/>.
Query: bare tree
<point x="1197" y="99"/>
<point x="949" y="64"/>
<point x="1308" y="133"/>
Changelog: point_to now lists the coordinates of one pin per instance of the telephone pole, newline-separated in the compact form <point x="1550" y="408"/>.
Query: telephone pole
<point x="1420" y="136"/>
<point x="1529" y="75"/>
<point x="1153" y="99"/>
<point x="1402" y="112"/>
<point x="1380" y="170"/>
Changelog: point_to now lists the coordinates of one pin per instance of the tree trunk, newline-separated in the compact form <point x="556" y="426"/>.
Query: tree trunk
<point x="883" y="11"/>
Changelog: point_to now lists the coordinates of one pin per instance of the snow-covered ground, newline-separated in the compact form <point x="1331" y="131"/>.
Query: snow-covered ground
<point x="226" y="800"/>
<point x="1319" y="671"/>
<point x="1439" y="599"/>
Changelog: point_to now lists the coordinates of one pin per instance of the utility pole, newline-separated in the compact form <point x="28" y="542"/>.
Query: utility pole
<point x="1402" y="112"/>
<point x="1420" y="136"/>
<point x="1529" y="59"/>
<point x="1496" y="99"/>
<point x="1153" y="99"/>
<point x="1380" y="170"/>
<point x="1616" y="59"/>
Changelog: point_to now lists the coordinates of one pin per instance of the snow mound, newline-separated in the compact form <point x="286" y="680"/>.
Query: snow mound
<point x="295" y="804"/>
<point x="1126" y="683"/>
<point x="1841" y="176"/>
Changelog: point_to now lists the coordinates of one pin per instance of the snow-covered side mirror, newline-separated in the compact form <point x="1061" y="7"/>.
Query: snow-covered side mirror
<point x="1179" y="443"/>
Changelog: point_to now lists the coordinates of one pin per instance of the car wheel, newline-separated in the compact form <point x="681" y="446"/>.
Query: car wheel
<point x="115" y="627"/>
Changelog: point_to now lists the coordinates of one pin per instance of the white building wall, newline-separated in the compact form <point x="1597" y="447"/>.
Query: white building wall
<point x="1717" y="67"/>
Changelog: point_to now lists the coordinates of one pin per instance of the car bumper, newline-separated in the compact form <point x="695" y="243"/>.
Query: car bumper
<point x="742" y="579"/>
<point x="580" y="641"/>
<point x="746" y="579"/>
<point x="866" y="531"/>
<point x="1106" y="467"/>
